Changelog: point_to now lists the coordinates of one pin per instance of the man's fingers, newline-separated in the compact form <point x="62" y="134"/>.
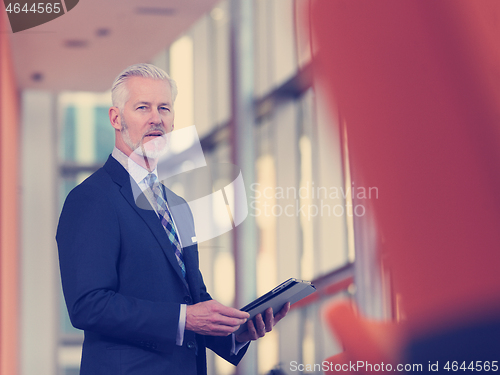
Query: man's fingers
<point x="212" y="318"/>
<point x="282" y="313"/>
<point x="252" y="330"/>
<point x="257" y="327"/>
<point x="232" y="322"/>
<point x="232" y="312"/>
<point x="269" y="320"/>
<point x="260" y="325"/>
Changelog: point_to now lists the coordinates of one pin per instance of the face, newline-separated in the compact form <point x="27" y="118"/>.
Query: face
<point x="147" y="116"/>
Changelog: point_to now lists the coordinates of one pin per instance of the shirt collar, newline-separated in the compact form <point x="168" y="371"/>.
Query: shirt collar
<point x="137" y="172"/>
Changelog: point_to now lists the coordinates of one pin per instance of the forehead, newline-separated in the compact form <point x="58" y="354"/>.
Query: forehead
<point x="141" y="89"/>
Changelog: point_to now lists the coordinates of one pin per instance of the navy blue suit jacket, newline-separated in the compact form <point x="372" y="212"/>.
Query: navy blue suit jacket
<point x="122" y="283"/>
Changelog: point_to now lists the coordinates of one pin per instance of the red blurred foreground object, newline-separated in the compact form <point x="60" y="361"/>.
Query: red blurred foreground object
<point x="418" y="85"/>
<point x="370" y="342"/>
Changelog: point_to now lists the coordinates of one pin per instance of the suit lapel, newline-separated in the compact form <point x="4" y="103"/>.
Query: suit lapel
<point x="121" y="177"/>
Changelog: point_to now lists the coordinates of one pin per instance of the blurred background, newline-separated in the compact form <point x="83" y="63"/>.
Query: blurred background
<point x="244" y="73"/>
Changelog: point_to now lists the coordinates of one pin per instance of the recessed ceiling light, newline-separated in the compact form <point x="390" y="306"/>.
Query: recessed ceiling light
<point x="75" y="43"/>
<point x="155" y="11"/>
<point x="37" y="76"/>
<point x="103" y="31"/>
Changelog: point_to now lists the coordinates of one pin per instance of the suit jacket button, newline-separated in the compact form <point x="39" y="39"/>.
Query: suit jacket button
<point x="190" y="345"/>
<point x="188" y="299"/>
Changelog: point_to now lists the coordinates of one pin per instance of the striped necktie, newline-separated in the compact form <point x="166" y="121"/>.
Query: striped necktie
<point x="165" y="217"/>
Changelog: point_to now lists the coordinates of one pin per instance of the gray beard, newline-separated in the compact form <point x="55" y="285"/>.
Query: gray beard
<point x="139" y="148"/>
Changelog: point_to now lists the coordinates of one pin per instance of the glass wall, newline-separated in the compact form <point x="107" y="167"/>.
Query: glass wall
<point x="86" y="139"/>
<point x="298" y="197"/>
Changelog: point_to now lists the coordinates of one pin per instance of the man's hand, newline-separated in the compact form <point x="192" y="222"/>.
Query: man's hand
<point x="260" y="327"/>
<point x="214" y="319"/>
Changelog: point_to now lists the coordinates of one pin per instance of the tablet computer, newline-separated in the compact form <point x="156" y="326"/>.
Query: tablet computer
<point x="292" y="290"/>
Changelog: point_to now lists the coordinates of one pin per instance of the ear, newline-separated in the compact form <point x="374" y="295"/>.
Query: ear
<point x="115" y="118"/>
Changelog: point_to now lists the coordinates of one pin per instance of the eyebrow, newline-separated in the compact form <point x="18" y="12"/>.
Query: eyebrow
<point x="149" y="103"/>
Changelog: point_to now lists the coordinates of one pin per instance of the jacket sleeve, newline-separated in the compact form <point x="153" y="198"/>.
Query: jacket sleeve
<point x="88" y="238"/>
<point x="222" y="347"/>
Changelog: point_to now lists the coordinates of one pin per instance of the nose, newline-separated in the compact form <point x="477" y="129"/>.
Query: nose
<point x="155" y="117"/>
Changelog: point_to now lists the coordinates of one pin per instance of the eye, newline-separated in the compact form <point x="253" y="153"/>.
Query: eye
<point x="165" y="109"/>
<point x="142" y="107"/>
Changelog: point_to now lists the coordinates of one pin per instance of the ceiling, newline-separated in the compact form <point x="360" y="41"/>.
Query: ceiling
<point x="86" y="48"/>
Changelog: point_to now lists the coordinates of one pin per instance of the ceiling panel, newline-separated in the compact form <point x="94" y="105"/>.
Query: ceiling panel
<point x="87" y="47"/>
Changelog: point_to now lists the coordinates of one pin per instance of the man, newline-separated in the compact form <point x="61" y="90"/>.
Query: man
<point x="130" y="278"/>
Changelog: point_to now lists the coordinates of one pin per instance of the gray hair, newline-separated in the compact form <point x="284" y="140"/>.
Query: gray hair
<point x="119" y="91"/>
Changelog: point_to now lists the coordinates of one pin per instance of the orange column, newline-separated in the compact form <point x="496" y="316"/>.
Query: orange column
<point x="9" y="207"/>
